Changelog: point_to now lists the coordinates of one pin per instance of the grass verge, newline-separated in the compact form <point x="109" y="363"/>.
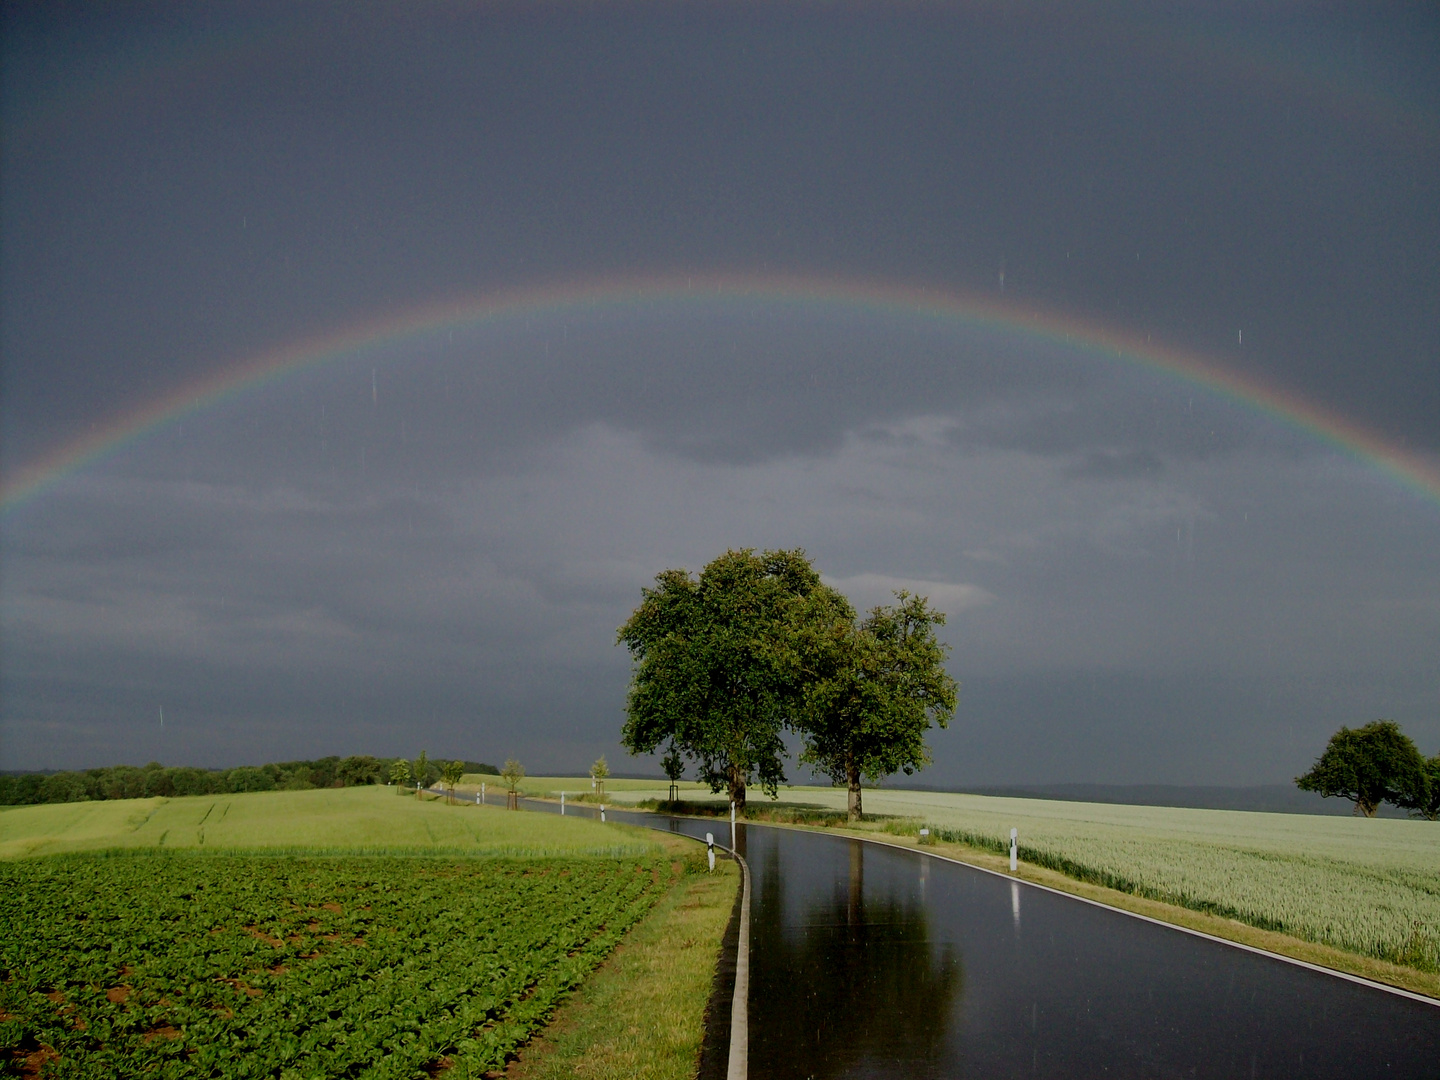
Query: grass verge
<point x="641" y="1014"/>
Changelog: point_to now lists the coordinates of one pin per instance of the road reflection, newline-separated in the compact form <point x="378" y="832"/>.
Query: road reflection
<point x="850" y="980"/>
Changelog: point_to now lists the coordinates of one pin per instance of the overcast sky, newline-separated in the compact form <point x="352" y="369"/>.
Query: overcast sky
<point x="429" y="543"/>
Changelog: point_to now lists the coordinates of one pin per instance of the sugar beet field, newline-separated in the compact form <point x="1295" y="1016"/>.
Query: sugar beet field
<point x="303" y="967"/>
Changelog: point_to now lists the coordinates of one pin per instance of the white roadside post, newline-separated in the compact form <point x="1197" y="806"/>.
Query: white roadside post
<point x="710" y="849"/>
<point x="602" y="811"/>
<point x="562" y="804"/>
<point x="732" y="824"/>
<point x="477" y="798"/>
<point x="482" y="794"/>
<point x="1013" y="834"/>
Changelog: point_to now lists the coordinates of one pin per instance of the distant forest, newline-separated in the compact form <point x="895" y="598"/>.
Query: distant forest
<point x="142" y="782"/>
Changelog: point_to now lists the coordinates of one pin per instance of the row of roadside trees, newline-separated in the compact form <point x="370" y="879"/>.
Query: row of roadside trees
<point x="756" y="646"/>
<point x="423" y="773"/>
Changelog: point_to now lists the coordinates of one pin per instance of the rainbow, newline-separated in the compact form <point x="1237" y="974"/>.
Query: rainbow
<point x="1410" y="470"/>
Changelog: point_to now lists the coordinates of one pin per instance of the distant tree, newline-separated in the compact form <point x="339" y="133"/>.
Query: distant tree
<point x="324" y="773"/>
<point x="400" y="775"/>
<point x="25" y="789"/>
<point x="420" y="772"/>
<point x="1370" y="765"/>
<point x="128" y="782"/>
<point x="249" y="778"/>
<point x="1431" y="810"/>
<point x="875" y="693"/>
<point x="674" y="766"/>
<point x="357" y="770"/>
<point x="598" y="772"/>
<point x="718" y="664"/>
<point x="63" y="787"/>
<point x="450" y="774"/>
<point x="512" y="774"/>
<point x="191" y="781"/>
<point x="158" y="781"/>
<point x="297" y="778"/>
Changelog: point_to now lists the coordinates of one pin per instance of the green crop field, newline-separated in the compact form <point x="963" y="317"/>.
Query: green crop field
<point x="356" y="820"/>
<point x="335" y="933"/>
<point x="181" y="965"/>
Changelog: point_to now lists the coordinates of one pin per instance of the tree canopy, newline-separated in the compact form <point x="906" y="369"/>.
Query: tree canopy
<point x="1370" y="765"/>
<point x="720" y="664"/>
<point x="673" y="764"/>
<point x="877" y="690"/>
<point x="450" y="774"/>
<point x="512" y="774"/>
<point x="400" y="773"/>
<point x="1431" y="810"/>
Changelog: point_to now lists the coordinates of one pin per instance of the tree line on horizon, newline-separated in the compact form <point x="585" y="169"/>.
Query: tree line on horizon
<point x="727" y="663"/>
<point x="154" y="779"/>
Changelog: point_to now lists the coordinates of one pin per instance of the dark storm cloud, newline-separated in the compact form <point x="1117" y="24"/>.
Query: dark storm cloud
<point x="723" y="382"/>
<point x="431" y="542"/>
<point x="483" y="610"/>
<point x="229" y="177"/>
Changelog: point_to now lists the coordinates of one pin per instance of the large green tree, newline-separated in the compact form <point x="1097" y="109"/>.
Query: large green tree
<point x="720" y="664"/>
<point x="878" y="689"/>
<point x="1370" y="765"/>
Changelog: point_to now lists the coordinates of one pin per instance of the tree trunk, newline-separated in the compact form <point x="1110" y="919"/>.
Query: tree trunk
<point x="1366" y="807"/>
<point x="737" y="788"/>
<point x="852" y="774"/>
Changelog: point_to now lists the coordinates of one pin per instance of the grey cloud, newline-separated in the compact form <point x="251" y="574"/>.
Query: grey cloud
<point x="430" y="541"/>
<point x="487" y="615"/>
<point x="1116" y="464"/>
<point x="869" y="590"/>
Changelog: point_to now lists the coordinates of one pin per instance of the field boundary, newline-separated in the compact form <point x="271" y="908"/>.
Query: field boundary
<point x="1360" y="979"/>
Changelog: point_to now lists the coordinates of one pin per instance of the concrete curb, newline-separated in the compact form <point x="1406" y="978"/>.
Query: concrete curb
<point x="739" y="1067"/>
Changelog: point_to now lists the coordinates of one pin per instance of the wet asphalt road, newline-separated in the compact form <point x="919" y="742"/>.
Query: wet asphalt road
<point x="872" y="961"/>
